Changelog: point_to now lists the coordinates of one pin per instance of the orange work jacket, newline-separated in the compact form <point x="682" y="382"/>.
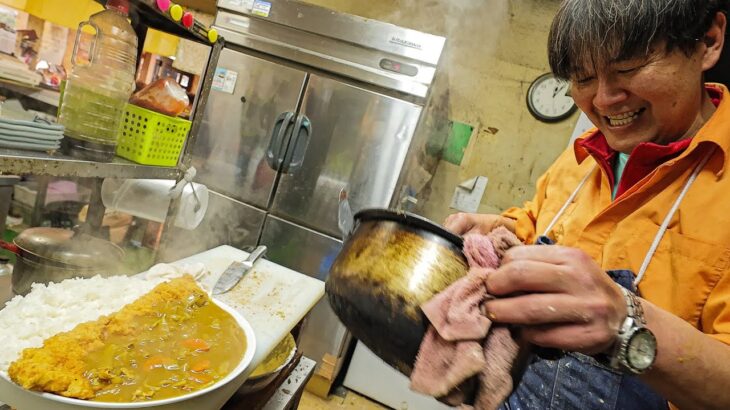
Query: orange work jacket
<point x="689" y="274"/>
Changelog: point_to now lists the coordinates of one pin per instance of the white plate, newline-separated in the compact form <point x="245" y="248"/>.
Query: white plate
<point x="209" y="398"/>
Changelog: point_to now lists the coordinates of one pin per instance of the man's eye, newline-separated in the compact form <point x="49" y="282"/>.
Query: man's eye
<point x="628" y="70"/>
<point x="584" y="80"/>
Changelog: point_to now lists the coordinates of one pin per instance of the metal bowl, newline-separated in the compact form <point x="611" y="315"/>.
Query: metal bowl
<point x="276" y="361"/>
<point x="391" y="264"/>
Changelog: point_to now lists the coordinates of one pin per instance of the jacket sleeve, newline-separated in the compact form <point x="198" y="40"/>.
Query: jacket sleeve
<point x="526" y="217"/>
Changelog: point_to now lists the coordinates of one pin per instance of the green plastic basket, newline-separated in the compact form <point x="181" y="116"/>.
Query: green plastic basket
<point x="150" y="138"/>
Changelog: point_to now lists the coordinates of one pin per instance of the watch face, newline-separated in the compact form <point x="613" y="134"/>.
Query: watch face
<point x="641" y="349"/>
<point x="548" y="99"/>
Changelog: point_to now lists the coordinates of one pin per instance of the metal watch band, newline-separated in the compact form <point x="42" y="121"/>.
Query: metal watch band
<point x="633" y="323"/>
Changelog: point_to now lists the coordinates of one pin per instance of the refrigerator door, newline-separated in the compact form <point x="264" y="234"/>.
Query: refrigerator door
<point x="344" y="137"/>
<point x="245" y="127"/>
<point x="372" y="377"/>
<point x="226" y="222"/>
<point x="311" y="253"/>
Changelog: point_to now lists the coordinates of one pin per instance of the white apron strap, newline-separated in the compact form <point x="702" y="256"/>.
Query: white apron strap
<point x="569" y="201"/>
<point x="663" y="228"/>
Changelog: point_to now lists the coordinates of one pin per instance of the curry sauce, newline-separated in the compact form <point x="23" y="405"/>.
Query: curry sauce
<point x="169" y="342"/>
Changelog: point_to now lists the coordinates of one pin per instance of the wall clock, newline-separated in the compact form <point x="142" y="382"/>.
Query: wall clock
<point x="549" y="100"/>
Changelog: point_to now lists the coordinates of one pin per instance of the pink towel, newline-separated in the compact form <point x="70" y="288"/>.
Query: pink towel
<point x="462" y="358"/>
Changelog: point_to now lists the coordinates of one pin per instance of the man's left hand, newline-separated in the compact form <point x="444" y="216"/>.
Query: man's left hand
<point x="560" y="296"/>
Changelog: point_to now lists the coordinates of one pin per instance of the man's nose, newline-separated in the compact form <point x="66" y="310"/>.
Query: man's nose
<point x="608" y="94"/>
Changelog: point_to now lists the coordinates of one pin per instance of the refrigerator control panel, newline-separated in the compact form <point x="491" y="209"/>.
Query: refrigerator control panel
<point x="398" y="67"/>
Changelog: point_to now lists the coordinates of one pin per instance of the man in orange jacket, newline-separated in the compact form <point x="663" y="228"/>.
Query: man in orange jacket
<point x="642" y="197"/>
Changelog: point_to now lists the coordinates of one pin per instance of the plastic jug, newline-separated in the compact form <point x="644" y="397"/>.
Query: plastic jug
<point x="95" y="93"/>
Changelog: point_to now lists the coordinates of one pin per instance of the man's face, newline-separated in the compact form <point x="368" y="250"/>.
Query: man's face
<point x="657" y="98"/>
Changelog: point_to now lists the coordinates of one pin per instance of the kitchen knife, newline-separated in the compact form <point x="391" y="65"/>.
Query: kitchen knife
<point x="236" y="270"/>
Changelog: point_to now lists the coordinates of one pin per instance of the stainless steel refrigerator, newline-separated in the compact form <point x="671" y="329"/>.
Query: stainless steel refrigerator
<point x="306" y="102"/>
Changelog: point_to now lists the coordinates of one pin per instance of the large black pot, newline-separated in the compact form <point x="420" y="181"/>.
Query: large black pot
<point x="391" y="264"/>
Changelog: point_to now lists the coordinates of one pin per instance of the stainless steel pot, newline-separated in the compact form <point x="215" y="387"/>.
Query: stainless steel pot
<point x="52" y="255"/>
<point x="391" y="264"/>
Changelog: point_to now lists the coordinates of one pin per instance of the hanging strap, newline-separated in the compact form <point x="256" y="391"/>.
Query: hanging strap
<point x="570" y="200"/>
<point x="177" y="190"/>
<point x="663" y="228"/>
<point x="187" y="178"/>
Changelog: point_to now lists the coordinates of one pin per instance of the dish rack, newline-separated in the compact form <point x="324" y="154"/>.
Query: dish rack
<point x="151" y="138"/>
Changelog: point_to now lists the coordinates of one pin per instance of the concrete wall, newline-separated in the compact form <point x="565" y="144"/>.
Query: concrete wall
<point x="495" y="49"/>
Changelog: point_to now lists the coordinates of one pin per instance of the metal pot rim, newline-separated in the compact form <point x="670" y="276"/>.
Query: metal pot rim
<point x="64" y="247"/>
<point x="411" y="220"/>
<point x="32" y="258"/>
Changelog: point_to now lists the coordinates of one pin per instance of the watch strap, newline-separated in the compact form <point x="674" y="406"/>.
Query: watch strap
<point x="615" y="358"/>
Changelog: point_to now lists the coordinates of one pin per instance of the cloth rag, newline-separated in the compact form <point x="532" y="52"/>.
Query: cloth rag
<point x="463" y="358"/>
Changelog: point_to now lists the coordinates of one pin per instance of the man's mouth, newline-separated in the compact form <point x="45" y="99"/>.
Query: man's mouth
<point x="626" y="118"/>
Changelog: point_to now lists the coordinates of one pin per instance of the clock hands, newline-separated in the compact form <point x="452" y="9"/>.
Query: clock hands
<point x="560" y="89"/>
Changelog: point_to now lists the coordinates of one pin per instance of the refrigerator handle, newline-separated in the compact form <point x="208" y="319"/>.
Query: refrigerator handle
<point x="295" y="156"/>
<point x="278" y="132"/>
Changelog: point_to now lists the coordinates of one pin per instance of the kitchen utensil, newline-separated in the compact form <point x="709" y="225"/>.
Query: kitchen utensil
<point x="209" y="398"/>
<point x="236" y="270"/>
<point x="53" y="254"/>
<point x="344" y="215"/>
<point x="392" y="263"/>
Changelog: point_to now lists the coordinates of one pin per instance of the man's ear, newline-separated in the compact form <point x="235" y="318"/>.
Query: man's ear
<point x="714" y="41"/>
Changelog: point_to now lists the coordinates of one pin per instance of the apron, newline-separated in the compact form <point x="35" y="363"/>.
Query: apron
<point x="580" y="382"/>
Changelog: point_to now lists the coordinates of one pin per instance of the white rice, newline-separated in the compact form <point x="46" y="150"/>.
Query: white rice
<point x="58" y="307"/>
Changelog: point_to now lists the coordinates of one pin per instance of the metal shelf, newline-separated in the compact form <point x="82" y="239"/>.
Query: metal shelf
<point x="45" y="95"/>
<point x="39" y="163"/>
<point x="147" y="14"/>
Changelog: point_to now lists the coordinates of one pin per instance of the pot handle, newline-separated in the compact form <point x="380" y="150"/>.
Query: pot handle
<point x="10" y="246"/>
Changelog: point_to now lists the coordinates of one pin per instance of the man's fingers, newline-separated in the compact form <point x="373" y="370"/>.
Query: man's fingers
<point x="536" y="309"/>
<point x="460" y="223"/>
<point x="521" y="276"/>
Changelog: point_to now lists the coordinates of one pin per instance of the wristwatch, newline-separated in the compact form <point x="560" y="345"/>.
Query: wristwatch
<point x="635" y="348"/>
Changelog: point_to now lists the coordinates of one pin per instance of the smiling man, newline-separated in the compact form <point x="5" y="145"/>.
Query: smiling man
<point x="637" y="290"/>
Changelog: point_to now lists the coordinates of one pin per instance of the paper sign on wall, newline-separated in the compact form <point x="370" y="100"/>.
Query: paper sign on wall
<point x="261" y="8"/>
<point x="468" y="194"/>
<point x="224" y="80"/>
<point x="247" y="5"/>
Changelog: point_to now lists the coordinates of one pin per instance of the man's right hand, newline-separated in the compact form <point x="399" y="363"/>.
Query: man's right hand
<point x="463" y="223"/>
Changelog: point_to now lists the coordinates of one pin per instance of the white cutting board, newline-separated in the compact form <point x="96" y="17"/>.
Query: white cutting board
<point x="271" y="297"/>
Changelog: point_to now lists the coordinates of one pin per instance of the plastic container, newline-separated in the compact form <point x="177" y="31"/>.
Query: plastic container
<point x="95" y="93"/>
<point x="150" y="138"/>
<point x="148" y="199"/>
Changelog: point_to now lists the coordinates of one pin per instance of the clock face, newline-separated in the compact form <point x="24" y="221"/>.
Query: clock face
<point x="641" y="350"/>
<point x="549" y="100"/>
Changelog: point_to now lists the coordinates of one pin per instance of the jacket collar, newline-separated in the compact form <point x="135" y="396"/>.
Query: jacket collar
<point x="715" y="132"/>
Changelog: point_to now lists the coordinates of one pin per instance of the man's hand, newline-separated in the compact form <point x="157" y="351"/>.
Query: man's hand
<point x="560" y="296"/>
<point x="463" y="223"/>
